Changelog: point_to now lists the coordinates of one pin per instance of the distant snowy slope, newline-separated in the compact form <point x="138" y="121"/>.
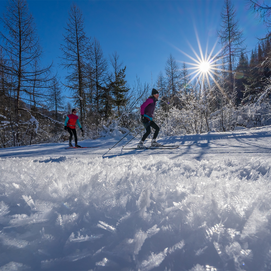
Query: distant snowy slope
<point x="204" y="206"/>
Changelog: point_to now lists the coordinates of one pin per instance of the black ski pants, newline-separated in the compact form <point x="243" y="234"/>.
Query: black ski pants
<point x="72" y="132"/>
<point x="148" y="126"/>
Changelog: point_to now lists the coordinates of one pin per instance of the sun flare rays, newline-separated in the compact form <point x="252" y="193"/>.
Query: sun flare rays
<point x="206" y="68"/>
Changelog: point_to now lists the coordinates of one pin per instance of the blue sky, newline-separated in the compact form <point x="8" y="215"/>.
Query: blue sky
<point x="143" y="32"/>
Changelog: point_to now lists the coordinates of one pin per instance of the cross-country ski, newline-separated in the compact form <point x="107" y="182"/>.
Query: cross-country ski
<point x="82" y="147"/>
<point x="152" y="147"/>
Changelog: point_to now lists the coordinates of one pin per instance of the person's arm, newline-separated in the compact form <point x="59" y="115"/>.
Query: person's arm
<point x="78" y="123"/>
<point x="66" y="121"/>
<point x="144" y="105"/>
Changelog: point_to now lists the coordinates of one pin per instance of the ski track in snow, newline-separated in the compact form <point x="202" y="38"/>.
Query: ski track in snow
<point x="204" y="206"/>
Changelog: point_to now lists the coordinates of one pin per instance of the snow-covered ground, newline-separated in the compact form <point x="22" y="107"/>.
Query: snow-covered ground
<point x="204" y="206"/>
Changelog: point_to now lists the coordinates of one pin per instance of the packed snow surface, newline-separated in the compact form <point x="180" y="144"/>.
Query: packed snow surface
<point x="204" y="206"/>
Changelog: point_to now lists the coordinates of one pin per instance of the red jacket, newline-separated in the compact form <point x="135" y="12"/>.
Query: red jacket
<point x="71" y="121"/>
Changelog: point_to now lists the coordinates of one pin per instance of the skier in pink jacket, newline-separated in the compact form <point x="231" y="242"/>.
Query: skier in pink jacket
<point x="147" y="110"/>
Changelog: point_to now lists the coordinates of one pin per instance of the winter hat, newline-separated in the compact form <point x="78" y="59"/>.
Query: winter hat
<point x="154" y="91"/>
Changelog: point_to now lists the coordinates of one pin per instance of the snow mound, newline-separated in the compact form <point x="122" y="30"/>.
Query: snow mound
<point x="141" y="213"/>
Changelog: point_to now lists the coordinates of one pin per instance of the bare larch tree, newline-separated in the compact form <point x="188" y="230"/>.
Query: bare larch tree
<point x="172" y="74"/>
<point x="99" y="73"/>
<point x="76" y="49"/>
<point x="20" y="46"/>
<point x="231" y="40"/>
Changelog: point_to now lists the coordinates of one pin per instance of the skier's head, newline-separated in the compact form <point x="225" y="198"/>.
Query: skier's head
<point x="74" y="111"/>
<point x="155" y="93"/>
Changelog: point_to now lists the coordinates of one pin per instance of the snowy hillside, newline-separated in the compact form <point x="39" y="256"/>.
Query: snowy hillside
<point x="204" y="206"/>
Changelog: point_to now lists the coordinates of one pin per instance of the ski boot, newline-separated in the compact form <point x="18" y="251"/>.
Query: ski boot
<point x="77" y="146"/>
<point x="155" y="144"/>
<point x="140" y="145"/>
<point x="70" y="144"/>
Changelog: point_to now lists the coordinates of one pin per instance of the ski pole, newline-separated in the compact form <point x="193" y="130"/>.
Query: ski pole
<point x="116" y="144"/>
<point x="129" y="131"/>
<point x="131" y="139"/>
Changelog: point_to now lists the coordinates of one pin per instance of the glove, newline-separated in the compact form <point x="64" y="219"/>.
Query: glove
<point x="65" y="128"/>
<point x="82" y="130"/>
<point x="142" y="118"/>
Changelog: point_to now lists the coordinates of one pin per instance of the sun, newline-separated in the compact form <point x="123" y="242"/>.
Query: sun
<point x="206" y="67"/>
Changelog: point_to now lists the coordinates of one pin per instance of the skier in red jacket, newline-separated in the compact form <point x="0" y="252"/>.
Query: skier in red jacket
<point x="147" y="110"/>
<point x="70" y="126"/>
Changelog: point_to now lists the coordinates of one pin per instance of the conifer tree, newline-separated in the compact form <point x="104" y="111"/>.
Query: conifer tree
<point x="267" y="47"/>
<point x="267" y="58"/>
<point x="259" y="71"/>
<point x="118" y="84"/>
<point x="241" y="74"/>
<point x="120" y="89"/>
<point x="3" y="84"/>
<point x="106" y="102"/>
<point x="260" y="54"/>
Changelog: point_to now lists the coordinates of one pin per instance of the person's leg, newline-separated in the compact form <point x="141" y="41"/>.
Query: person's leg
<point x="70" y="138"/>
<point x="157" y="129"/>
<point x="75" y="136"/>
<point x="153" y="142"/>
<point x="148" y="131"/>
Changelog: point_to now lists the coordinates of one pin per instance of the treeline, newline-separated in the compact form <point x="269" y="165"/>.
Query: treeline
<point x="236" y="91"/>
<point x="32" y="103"/>
<point x="32" y="96"/>
<point x="252" y="74"/>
